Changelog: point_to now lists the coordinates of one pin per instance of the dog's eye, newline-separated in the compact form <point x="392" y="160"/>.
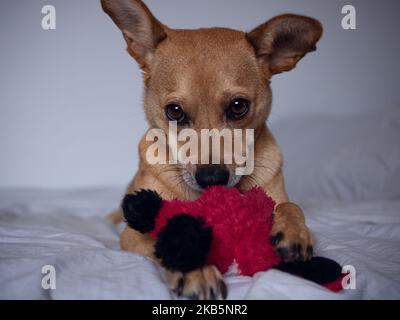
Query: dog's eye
<point x="175" y="113"/>
<point x="237" y="109"/>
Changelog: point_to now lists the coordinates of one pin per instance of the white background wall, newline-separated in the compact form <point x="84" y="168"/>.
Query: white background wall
<point x="70" y="99"/>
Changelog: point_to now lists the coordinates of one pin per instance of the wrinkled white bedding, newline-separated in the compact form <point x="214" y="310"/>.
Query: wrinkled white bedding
<point x="68" y="230"/>
<point x="346" y="177"/>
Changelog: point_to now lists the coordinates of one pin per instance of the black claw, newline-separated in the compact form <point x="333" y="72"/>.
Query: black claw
<point x="283" y="252"/>
<point x="299" y="252"/>
<point x="293" y="252"/>
<point x="223" y="289"/>
<point x="213" y="296"/>
<point x="179" y="287"/>
<point x="275" y="239"/>
<point x="310" y="251"/>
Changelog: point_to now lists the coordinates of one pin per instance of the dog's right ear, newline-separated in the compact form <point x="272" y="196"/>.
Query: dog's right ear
<point x="141" y="30"/>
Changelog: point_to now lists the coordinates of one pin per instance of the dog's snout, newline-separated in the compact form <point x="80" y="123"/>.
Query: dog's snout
<point x="211" y="175"/>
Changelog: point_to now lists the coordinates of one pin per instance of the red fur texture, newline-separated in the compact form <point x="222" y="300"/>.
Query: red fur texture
<point x="241" y="224"/>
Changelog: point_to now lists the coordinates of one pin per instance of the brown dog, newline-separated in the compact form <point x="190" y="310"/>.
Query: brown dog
<point x="214" y="78"/>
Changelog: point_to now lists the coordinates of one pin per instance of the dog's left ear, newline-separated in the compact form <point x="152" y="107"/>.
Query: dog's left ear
<point x="282" y="41"/>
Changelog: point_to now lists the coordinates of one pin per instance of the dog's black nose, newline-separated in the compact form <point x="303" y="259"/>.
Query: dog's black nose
<point x="211" y="175"/>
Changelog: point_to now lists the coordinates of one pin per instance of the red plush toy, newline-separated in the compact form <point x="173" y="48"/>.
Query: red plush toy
<point x="223" y="227"/>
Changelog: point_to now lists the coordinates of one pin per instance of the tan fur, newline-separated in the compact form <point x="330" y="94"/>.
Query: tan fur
<point x="203" y="70"/>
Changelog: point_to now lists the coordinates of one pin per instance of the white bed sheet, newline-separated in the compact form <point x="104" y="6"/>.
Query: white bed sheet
<point x="67" y="229"/>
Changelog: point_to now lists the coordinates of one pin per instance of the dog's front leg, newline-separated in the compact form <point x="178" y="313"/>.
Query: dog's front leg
<point x="290" y="236"/>
<point x="205" y="283"/>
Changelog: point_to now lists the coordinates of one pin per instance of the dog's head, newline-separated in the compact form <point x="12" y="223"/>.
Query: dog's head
<point x="211" y="78"/>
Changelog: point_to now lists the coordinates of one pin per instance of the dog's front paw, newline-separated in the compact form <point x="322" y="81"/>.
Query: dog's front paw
<point x="201" y="284"/>
<point x="290" y="236"/>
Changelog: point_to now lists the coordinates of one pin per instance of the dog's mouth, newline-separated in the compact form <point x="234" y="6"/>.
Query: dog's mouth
<point x="192" y="183"/>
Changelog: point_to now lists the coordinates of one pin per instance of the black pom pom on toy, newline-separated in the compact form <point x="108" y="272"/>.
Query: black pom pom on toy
<point x="319" y="269"/>
<point x="141" y="210"/>
<point x="322" y="270"/>
<point x="184" y="243"/>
